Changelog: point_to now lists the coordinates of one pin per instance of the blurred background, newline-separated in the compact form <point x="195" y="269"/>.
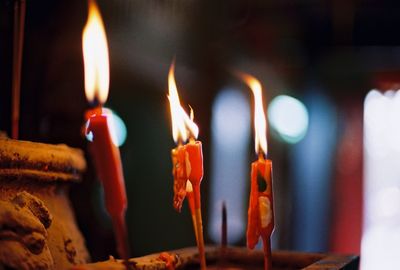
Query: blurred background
<point x="335" y="172"/>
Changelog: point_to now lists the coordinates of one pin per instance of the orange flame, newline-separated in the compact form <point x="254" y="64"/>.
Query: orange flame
<point x="182" y="125"/>
<point x="260" y="123"/>
<point x="95" y="56"/>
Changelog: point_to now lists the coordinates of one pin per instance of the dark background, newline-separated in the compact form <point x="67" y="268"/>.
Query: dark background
<point x="341" y="49"/>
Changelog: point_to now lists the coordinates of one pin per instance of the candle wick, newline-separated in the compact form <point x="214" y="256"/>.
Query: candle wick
<point x="95" y="103"/>
<point x="261" y="156"/>
<point x="180" y="142"/>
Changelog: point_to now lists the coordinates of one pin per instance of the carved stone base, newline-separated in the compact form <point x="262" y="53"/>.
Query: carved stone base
<point x="37" y="224"/>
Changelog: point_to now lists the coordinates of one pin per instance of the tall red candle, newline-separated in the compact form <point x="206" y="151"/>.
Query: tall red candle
<point x="104" y="152"/>
<point x="261" y="212"/>
<point x="108" y="165"/>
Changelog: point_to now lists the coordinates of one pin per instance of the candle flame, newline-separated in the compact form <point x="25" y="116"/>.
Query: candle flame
<point x="95" y="56"/>
<point x="260" y="123"/>
<point x="182" y="125"/>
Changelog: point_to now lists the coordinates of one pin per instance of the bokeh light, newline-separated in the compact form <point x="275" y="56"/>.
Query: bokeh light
<point x="381" y="233"/>
<point x="116" y="126"/>
<point x="288" y="117"/>
<point x="229" y="158"/>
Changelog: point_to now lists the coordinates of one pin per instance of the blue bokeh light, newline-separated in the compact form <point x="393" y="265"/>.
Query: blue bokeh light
<point x="289" y="118"/>
<point x="116" y="126"/>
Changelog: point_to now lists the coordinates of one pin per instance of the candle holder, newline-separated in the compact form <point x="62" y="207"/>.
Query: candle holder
<point x="228" y="257"/>
<point x="234" y="258"/>
<point x="37" y="224"/>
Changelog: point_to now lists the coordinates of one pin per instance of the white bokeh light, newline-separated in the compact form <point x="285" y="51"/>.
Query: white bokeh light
<point x="288" y="117"/>
<point x="229" y="158"/>
<point x="381" y="233"/>
<point x="388" y="202"/>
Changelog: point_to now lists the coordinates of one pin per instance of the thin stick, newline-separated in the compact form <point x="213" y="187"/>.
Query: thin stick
<point x="267" y="253"/>
<point x="192" y="208"/>
<point x="199" y="227"/>
<point x="224" y="228"/>
<point x="224" y="236"/>
<point x="18" y="40"/>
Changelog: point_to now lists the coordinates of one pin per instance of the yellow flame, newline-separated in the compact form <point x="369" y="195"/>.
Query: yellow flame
<point x="95" y="56"/>
<point x="260" y="123"/>
<point x="182" y="125"/>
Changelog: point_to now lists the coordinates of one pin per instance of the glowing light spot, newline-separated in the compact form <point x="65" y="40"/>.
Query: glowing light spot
<point x="116" y="126"/>
<point x="381" y="232"/>
<point x="229" y="158"/>
<point x="380" y="114"/>
<point x="388" y="202"/>
<point x="289" y="118"/>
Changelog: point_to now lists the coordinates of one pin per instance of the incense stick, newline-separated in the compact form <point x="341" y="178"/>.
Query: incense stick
<point x="18" y="41"/>
<point x="224" y="236"/>
<point x="224" y="227"/>
<point x="267" y="253"/>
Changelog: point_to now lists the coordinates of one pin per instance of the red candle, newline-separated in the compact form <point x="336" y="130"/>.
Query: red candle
<point x="180" y="178"/>
<point x="260" y="214"/>
<point x="187" y="162"/>
<point x="195" y="175"/>
<point x="105" y="153"/>
<point x="108" y="165"/>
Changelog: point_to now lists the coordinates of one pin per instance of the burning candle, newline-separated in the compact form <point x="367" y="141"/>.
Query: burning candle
<point x="187" y="162"/>
<point x="105" y="153"/>
<point x="261" y="211"/>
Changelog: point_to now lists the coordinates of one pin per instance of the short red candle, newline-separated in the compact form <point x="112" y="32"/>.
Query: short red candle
<point x="261" y="191"/>
<point x="187" y="161"/>
<point x="195" y="159"/>
<point x="261" y="210"/>
<point x="260" y="214"/>
<point x="195" y="155"/>
<point x="187" y="165"/>
<point x="178" y="156"/>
